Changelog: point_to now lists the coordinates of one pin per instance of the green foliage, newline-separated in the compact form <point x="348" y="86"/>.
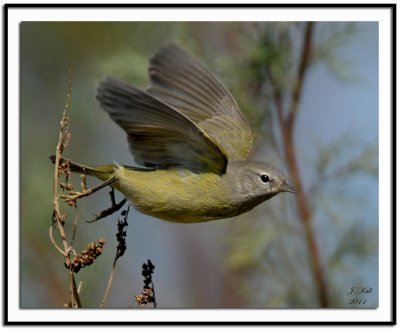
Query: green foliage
<point x="116" y="66"/>
<point x="327" y="50"/>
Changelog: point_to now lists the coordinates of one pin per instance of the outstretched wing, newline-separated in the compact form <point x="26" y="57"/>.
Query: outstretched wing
<point x="188" y="86"/>
<point x="158" y="135"/>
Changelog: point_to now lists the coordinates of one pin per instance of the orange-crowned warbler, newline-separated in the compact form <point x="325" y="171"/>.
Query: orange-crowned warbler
<point x="186" y="129"/>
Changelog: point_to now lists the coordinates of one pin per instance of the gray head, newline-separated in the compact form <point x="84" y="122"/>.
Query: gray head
<point x="254" y="182"/>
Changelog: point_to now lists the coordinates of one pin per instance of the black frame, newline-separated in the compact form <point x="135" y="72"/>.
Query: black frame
<point x="391" y="6"/>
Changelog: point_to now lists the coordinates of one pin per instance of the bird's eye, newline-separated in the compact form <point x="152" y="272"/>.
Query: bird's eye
<point x="264" y="178"/>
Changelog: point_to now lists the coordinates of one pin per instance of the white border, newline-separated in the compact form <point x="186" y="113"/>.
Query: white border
<point x="15" y="16"/>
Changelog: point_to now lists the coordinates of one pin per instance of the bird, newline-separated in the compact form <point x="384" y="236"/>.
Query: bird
<point x="190" y="143"/>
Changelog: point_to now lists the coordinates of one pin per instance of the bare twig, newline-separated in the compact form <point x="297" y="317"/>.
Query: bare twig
<point x="58" y="218"/>
<point x="74" y="226"/>
<point x="298" y="86"/>
<point x="57" y="214"/>
<point x="74" y="291"/>
<point x="53" y="241"/>
<point x="109" y="284"/>
<point x="80" y="287"/>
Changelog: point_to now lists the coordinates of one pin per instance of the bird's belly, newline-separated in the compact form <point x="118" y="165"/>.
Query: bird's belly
<point x="182" y="209"/>
<point x="177" y="196"/>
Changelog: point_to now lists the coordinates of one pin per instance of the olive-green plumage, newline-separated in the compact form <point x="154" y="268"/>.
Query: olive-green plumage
<point x="179" y="195"/>
<point x="187" y="129"/>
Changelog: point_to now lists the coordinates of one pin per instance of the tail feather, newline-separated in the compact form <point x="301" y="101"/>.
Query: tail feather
<point x="101" y="172"/>
<point x="104" y="172"/>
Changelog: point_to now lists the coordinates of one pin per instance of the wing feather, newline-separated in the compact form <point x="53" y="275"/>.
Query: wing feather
<point x="158" y="135"/>
<point x="188" y="86"/>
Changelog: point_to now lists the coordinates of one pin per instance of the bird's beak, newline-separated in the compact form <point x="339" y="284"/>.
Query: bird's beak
<point x="287" y="188"/>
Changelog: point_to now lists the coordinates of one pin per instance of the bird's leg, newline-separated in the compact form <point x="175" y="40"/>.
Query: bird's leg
<point x="114" y="207"/>
<point x="71" y="199"/>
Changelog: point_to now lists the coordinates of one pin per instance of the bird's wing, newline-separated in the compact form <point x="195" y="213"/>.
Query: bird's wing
<point x="158" y="135"/>
<point x="188" y="86"/>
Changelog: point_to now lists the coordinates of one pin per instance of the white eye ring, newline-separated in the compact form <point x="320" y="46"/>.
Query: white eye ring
<point x="264" y="178"/>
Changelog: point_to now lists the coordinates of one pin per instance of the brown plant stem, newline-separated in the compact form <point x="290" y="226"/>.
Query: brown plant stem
<point x="109" y="284"/>
<point x="287" y="129"/>
<point x="58" y="217"/>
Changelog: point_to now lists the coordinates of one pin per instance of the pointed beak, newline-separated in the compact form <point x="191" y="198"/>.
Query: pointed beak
<point x="287" y="188"/>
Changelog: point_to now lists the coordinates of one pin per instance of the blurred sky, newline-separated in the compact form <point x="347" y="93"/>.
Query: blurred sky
<point x="329" y="109"/>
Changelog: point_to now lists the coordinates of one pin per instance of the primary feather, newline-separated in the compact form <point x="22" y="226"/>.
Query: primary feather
<point x="158" y="135"/>
<point x="187" y="85"/>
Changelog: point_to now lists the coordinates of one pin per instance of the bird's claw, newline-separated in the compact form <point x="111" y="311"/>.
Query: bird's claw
<point x="73" y="196"/>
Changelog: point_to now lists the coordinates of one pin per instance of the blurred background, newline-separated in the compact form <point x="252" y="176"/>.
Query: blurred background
<point x="260" y="259"/>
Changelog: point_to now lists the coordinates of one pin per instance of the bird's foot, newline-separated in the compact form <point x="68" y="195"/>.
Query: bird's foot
<point x="75" y="195"/>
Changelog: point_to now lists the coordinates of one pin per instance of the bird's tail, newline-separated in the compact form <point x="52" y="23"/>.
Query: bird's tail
<point x="101" y="172"/>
